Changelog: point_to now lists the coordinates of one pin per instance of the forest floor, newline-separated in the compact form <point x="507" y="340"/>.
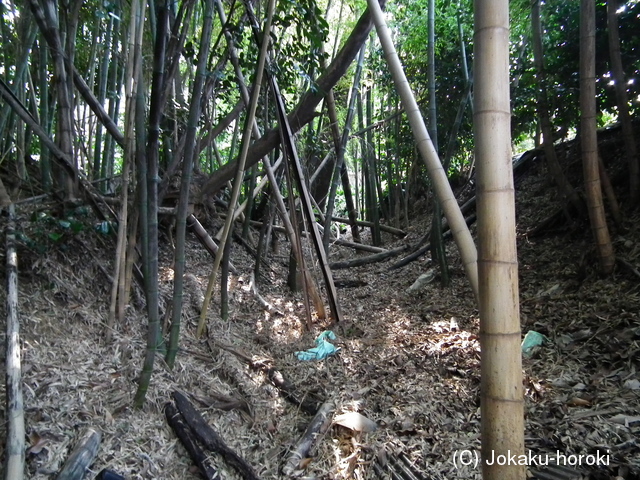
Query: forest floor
<point x="410" y="362"/>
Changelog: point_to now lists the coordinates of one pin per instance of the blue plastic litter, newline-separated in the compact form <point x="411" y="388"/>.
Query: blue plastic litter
<point x="322" y="349"/>
<point x="532" y="339"/>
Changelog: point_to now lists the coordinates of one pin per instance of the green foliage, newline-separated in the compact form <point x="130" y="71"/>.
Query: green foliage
<point x="561" y="45"/>
<point x="47" y="231"/>
<point x="409" y="24"/>
<point x="300" y="31"/>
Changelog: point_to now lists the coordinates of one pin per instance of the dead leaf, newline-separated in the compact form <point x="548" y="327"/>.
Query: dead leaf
<point x="37" y="444"/>
<point x="356" y="421"/>
<point x="578" y="402"/>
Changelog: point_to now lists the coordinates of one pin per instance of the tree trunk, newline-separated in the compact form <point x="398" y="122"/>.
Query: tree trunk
<point x="502" y="402"/>
<point x="589" y="139"/>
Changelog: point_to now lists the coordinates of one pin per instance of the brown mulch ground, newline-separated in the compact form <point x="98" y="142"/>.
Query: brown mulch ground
<point x="410" y="362"/>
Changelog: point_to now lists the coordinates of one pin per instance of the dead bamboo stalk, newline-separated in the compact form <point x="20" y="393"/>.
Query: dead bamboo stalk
<point x="205" y="239"/>
<point x="14" y="463"/>
<point x="210" y="439"/>
<point x="318" y="425"/>
<point x="377" y="257"/>
<point x="81" y="457"/>
<point x="364" y="223"/>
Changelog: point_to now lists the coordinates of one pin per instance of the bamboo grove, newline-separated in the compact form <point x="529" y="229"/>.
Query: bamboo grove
<point x="259" y="108"/>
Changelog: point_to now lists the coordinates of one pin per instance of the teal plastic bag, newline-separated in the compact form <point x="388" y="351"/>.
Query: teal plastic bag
<point x="322" y="349"/>
<point x="532" y="339"/>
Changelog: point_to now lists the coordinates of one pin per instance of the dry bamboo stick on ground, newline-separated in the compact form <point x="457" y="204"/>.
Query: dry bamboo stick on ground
<point x="181" y="429"/>
<point x="305" y="401"/>
<point x="205" y="239"/>
<point x="266" y="305"/>
<point x="364" y="223"/>
<point x="318" y="425"/>
<point x="81" y="457"/>
<point x="377" y="257"/>
<point x="210" y="438"/>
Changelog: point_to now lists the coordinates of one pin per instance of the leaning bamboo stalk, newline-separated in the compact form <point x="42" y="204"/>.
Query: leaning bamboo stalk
<point x="364" y="223"/>
<point x="14" y="463"/>
<point x="610" y="194"/>
<point x="340" y="144"/>
<point x="258" y="188"/>
<point x="304" y="112"/>
<point x="461" y="233"/>
<point x="290" y="151"/>
<point x="310" y="286"/>
<point x="376" y="257"/>
<point x="65" y="161"/>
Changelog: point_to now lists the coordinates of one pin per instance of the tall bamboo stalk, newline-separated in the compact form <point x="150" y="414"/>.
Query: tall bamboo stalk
<point x="340" y="153"/>
<point x="15" y="446"/>
<point x="502" y="398"/>
<point x="150" y="216"/>
<point x="622" y="99"/>
<point x="589" y="139"/>
<point x="45" y="120"/>
<point x="564" y="187"/>
<point x="187" y="169"/>
<point x="437" y="241"/>
<point x="103" y="76"/>
<point x="46" y="16"/>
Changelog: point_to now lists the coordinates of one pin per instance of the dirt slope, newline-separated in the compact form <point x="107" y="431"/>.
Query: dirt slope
<point x="410" y="362"/>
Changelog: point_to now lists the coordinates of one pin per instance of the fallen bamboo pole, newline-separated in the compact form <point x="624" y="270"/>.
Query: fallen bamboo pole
<point x="365" y="223"/>
<point x="82" y="456"/>
<point x="376" y="257"/>
<point x="316" y="428"/>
